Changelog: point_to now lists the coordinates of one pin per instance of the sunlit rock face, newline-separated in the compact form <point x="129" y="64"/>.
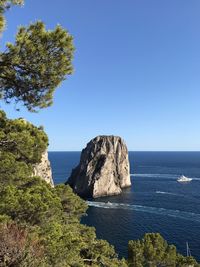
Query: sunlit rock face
<point x="43" y="169"/>
<point x="103" y="169"/>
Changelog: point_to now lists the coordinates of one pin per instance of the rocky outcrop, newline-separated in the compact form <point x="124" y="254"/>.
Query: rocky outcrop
<point x="103" y="169"/>
<point x="43" y="169"/>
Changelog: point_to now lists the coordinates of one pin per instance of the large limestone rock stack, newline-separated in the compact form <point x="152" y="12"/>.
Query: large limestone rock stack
<point x="43" y="169"/>
<point x="103" y="169"/>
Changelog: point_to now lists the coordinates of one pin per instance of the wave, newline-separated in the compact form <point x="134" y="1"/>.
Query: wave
<point x="160" y="175"/>
<point x="153" y="210"/>
<point x="168" y="193"/>
<point x="155" y="175"/>
<point x="196" y="179"/>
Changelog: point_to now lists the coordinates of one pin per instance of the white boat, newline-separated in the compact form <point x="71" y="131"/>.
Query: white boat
<point x="184" y="179"/>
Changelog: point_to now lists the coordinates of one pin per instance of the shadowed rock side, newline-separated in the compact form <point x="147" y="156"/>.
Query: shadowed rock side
<point x="103" y="169"/>
<point x="43" y="169"/>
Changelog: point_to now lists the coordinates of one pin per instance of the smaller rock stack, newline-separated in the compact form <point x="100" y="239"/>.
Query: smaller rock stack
<point x="43" y="169"/>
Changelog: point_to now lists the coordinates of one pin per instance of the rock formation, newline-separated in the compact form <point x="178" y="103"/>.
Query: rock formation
<point x="43" y="169"/>
<point x="103" y="169"/>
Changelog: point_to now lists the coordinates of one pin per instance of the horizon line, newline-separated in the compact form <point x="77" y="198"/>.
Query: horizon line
<point x="132" y="150"/>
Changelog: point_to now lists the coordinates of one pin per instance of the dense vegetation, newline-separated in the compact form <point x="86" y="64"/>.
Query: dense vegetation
<point x="40" y="225"/>
<point x="21" y="146"/>
<point x="37" y="219"/>
<point x="153" y="251"/>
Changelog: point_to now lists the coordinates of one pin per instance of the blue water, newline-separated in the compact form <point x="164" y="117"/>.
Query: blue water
<point x="156" y="202"/>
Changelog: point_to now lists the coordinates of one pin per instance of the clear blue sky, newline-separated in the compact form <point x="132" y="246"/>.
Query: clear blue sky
<point x="137" y="72"/>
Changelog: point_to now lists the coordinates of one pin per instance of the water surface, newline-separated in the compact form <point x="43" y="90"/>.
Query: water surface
<point x="156" y="202"/>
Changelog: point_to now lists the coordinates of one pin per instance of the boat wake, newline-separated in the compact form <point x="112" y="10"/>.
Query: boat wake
<point x="161" y="175"/>
<point x="155" y="175"/>
<point x="168" y="193"/>
<point x="196" y="179"/>
<point x="153" y="210"/>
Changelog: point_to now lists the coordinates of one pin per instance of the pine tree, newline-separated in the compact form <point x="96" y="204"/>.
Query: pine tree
<point x="5" y="5"/>
<point x="38" y="61"/>
<point x="154" y="251"/>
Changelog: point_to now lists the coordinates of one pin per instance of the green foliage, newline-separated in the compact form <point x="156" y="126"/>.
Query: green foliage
<point x="21" y="146"/>
<point x="72" y="204"/>
<point x="64" y="240"/>
<point x="38" y="61"/>
<point x="51" y="216"/>
<point x="33" y="202"/>
<point x="186" y="261"/>
<point x="76" y="245"/>
<point x="4" y="219"/>
<point x="153" y="250"/>
<point x="19" y="137"/>
<point x="4" y="5"/>
<point x="11" y="169"/>
<point x="35" y="65"/>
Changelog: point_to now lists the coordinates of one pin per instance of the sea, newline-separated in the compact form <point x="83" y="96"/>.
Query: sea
<point x="155" y="202"/>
